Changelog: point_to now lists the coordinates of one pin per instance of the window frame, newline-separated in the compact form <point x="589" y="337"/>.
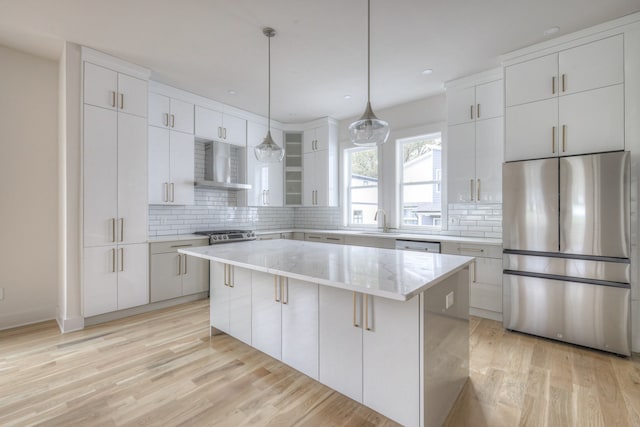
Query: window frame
<point x="348" y="219"/>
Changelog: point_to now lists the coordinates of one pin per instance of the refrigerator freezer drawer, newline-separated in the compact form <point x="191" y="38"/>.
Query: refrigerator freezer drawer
<point x="589" y="315"/>
<point x="582" y="268"/>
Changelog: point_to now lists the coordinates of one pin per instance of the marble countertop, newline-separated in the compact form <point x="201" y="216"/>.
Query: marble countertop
<point x="398" y="275"/>
<point x="391" y="235"/>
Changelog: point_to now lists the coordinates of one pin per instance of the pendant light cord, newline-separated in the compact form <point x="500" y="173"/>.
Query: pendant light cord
<point x="368" y="51"/>
<point x="269" y="78"/>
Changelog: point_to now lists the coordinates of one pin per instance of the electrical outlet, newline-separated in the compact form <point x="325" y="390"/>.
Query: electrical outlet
<point x="449" y="300"/>
<point x="454" y="220"/>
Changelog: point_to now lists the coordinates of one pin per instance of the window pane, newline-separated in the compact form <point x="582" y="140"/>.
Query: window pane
<point x="421" y="205"/>
<point x="363" y="186"/>
<point x="421" y="181"/>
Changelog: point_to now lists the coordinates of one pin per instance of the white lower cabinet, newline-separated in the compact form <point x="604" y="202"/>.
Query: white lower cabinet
<point x="300" y="326"/>
<point x="370" y="351"/>
<point x="174" y="275"/>
<point x="115" y="278"/>
<point x="266" y="314"/>
<point x="230" y="294"/>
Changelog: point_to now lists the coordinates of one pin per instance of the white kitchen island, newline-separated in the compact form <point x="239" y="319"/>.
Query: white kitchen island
<point x="387" y="328"/>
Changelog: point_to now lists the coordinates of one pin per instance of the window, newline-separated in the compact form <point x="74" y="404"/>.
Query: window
<point x="420" y="181"/>
<point x="362" y="185"/>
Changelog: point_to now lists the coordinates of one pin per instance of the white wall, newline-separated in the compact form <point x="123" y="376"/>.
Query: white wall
<point x="28" y="190"/>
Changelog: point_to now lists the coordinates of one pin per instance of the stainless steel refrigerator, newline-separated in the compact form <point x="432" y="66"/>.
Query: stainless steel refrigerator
<point x="566" y="227"/>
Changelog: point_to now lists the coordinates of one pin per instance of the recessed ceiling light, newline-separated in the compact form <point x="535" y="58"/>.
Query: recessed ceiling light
<point x="551" y="30"/>
<point x="231" y="92"/>
<point x="347" y="96"/>
<point x="427" y="71"/>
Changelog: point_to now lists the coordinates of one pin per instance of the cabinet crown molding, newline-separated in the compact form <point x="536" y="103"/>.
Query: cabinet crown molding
<point x="113" y="63"/>
<point x="476" y="79"/>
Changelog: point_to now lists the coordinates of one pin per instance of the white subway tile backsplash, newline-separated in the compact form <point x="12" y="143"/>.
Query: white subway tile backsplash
<point x="476" y="220"/>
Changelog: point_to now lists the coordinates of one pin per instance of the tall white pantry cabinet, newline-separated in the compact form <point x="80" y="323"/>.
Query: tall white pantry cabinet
<point x="115" y="251"/>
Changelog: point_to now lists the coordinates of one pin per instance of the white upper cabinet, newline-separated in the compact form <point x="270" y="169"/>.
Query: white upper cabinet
<point x="266" y="179"/>
<point x="320" y="166"/>
<point x="484" y="101"/>
<point x="170" y="113"/>
<point x="566" y="103"/>
<point x="217" y="126"/>
<point x="316" y="139"/>
<point x="109" y="89"/>
<point x="171" y="167"/>
<point x="475" y="141"/>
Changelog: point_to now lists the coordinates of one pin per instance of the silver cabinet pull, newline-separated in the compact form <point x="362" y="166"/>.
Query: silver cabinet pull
<point x="275" y="289"/>
<point x="471" y="189"/>
<point x="564" y="83"/>
<point x="185" y="264"/>
<point x="553" y="85"/>
<point x="225" y="274"/>
<point x="478" y="111"/>
<point x="470" y="250"/>
<point x="355" y="321"/>
<point x="113" y="230"/>
<point x="564" y="137"/>
<point x="471" y="112"/>
<point x="219" y="132"/>
<point x="121" y="259"/>
<point x="166" y="119"/>
<point x="553" y="140"/>
<point x="180" y="266"/>
<point x="366" y="312"/>
<point x="122" y="101"/>
<point x="478" y="190"/>
<point x="224" y="133"/>
<point x="113" y="260"/>
<point x="173" y="121"/>
<point x="284" y="289"/>
<point x="113" y="99"/>
<point x="166" y="191"/>
<point x="172" y="192"/>
<point x="475" y="266"/>
<point x="122" y="229"/>
<point x="232" y="277"/>
<point x="180" y="246"/>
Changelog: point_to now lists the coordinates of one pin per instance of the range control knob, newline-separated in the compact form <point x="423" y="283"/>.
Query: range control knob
<point x="214" y="238"/>
<point x="225" y="237"/>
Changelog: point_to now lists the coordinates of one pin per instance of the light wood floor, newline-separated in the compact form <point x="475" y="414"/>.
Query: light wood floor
<point x="163" y="369"/>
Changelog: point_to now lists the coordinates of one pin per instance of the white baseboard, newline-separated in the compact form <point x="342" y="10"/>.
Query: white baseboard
<point x="487" y="314"/>
<point x="28" y="317"/>
<point x="71" y="324"/>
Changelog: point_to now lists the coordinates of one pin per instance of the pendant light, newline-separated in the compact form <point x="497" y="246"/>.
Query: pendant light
<point x="268" y="151"/>
<point x="369" y="130"/>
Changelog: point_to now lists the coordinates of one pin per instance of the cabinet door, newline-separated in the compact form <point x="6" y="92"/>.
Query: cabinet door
<point x="208" y="123"/>
<point x="309" y="141"/>
<point x="100" y="192"/>
<point x="489" y="153"/>
<point x="489" y="100"/>
<point x="181" y="116"/>
<point x="159" y="110"/>
<point x="133" y="279"/>
<point x="218" y="297"/>
<point x="132" y="179"/>
<point x="182" y="168"/>
<point x="461" y="105"/>
<point x="300" y="326"/>
<point x="532" y="80"/>
<point x="159" y="163"/>
<point x="592" y="121"/>
<point x="591" y="66"/>
<point x="309" y="179"/>
<point x="532" y="130"/>
<point x="132" y="95"/>
<point x="485" y="290"/>
<point x="325" y="190"/>
<point x="257" y="172"/>
<point x="322" y="138"/>
<point x="340" y="341"/>
<point x="266" y="314"/>
<point x="195" y="275"/>
<point x="100" y="86"/>
<point x="391" y="359"/>
<point x="240" y="304"/>
<point x="100" y="279"/>
<point x="166" y="276"/>
<point x="235" y="130"/>
<point x="461" y="163"/>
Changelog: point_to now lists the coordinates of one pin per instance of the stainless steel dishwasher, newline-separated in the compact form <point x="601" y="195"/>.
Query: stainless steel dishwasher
<point x="412" y="245"/>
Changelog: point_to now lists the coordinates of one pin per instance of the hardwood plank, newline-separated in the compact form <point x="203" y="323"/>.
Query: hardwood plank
<point x="162" y="368"/>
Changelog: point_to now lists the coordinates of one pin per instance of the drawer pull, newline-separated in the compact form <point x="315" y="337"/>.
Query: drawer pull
<point x="470" y="250"/>
<point x="181" y="246"/>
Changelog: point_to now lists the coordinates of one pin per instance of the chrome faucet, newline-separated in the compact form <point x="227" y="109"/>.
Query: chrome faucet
<point x="385" y="226"/>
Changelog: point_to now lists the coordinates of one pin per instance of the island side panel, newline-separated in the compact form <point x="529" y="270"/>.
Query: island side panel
<point x="445" y="345"/>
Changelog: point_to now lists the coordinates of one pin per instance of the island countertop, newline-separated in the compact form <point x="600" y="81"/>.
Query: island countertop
<point x="388" y="273"/>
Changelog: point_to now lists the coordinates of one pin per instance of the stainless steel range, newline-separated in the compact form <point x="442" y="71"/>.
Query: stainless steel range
<point x="227" y="236"/>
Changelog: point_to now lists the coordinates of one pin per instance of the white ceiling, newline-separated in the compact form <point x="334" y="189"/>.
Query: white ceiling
<point x="319" y="54"/>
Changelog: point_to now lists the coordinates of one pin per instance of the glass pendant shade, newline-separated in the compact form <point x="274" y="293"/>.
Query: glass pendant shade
<point x="369" y="130"/>
<point x="268" y="151"/>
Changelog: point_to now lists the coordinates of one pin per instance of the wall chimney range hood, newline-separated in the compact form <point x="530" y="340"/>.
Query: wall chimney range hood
<point x="224" y="167"/>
